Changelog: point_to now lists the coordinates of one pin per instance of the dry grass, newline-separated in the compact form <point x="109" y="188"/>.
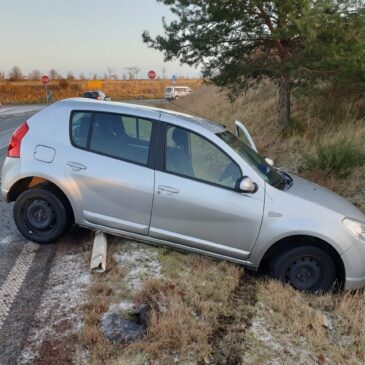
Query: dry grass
<point x="34" y="92"/>
<point x="104" y="290"/>
<point x="186" y="306"/>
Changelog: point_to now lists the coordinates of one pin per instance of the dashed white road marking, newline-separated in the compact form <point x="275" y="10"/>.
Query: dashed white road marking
<point x="16" y="276"/>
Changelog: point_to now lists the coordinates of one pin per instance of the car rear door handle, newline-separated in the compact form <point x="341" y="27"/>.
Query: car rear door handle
<point x="75" y="166"/>
<point x="166" y="189"/>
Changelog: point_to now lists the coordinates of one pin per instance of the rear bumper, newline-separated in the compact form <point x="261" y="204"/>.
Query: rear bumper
<point x="9" y="175"/>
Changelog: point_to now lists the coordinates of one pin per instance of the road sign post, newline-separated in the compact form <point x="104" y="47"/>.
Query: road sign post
<point x="45" y="82"/>
<point x="173" y="79"/>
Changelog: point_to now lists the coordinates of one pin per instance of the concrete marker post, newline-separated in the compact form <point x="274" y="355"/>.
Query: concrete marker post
<point x="98" y="256"/>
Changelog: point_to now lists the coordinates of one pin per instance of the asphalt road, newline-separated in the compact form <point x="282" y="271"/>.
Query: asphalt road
<point x="29" y="275"/>
<point x="24" y="266"/>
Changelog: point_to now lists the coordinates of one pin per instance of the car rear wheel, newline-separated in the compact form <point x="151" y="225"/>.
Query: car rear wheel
<point x="40" y="215"/>
<point x="306" y="268"/>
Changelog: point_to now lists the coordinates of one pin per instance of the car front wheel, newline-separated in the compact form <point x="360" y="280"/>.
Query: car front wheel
<point x="40" y="215"/>
<point x="306" y="268"/>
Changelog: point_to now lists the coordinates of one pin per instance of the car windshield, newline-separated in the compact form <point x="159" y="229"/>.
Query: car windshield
<point x="168" y="89"/>
<point x="258" y="163"/>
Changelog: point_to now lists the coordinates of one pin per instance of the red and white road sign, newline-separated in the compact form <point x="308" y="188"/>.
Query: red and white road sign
<point x="45" y="79"/>
<point x="152" y="74"/>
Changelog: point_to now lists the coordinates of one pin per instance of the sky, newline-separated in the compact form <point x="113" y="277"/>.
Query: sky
<point x="83" y="36"/>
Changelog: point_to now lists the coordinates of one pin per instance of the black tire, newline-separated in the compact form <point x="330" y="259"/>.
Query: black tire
<point x="306" y="268"/>
<point x="40" y="216"/>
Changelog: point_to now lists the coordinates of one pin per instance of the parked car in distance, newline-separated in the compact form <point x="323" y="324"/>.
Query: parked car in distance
<point x="182" y="181"/>
<point x="175" y="92"/>
<point x="97" y="95"/>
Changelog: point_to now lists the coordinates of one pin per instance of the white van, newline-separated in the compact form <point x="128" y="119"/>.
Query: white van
<point x="174" y="92"/>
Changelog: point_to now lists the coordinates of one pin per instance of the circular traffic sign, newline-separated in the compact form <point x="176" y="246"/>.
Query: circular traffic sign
<point x="152" y="74"/>
<point x="45" y="79"/>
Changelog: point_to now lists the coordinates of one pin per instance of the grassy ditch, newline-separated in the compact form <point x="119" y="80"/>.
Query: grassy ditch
<point x="204" y="311"/>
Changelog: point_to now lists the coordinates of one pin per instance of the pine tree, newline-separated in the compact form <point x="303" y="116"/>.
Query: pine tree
<point x="239" y="42"/>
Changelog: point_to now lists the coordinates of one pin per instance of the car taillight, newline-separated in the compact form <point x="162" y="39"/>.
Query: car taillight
<point x="16" y="139"/>
<point x="98" y="98"/>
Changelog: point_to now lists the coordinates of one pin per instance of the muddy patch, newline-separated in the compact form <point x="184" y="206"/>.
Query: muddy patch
<point x="228" y="341"/>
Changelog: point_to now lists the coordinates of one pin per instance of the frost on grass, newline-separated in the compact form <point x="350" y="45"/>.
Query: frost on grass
<point x="123" y="322"/>
<point x="58" y="318"/>
<point x="271" y="347"/>
<point x="140" y="261"/>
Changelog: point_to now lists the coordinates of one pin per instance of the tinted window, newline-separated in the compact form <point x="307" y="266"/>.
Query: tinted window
<point x="120" y="136"/>
<point x="80" y="125"/>
<point x="137" y="128"/>
<point x="190" y="155"/>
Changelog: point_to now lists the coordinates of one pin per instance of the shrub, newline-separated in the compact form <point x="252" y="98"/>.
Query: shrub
<point x="337" y="158"/>
<point x="63" y="84"/>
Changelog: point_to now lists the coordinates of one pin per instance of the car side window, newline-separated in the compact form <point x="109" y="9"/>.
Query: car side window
<point x="80" y="125"/>
<point x="137" y="128"/>
<point x="191" y="155"/>
<point x="112" y="135"/>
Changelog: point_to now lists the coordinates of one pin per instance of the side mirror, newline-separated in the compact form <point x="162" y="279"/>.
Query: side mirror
<point x="269" y="161"/>
<point x="246" y="185"/>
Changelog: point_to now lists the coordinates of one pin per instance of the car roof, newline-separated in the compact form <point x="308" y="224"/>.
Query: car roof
<point x="186" y="120"/>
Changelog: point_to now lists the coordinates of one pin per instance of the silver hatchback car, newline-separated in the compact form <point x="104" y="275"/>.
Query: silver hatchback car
<point x="181" y="181"/>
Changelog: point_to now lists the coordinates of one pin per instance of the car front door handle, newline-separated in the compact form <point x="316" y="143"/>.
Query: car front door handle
<point x="75" y="166"/>
<point x="166" y="189"/>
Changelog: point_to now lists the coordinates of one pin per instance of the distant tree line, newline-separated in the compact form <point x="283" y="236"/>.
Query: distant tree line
<point x="132" y="72"/>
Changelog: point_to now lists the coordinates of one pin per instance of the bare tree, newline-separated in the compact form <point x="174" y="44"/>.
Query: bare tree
<point x="35" y="75"/>
<point x="15" y="73"/>
<point x="136" y="71"/>
<point x="53" y="74"/>
<point x="111" y="74"/>
<point x="2" y="76"/>
<point x="131" y="75"/>
<point x="82" y="76"/>
<point x="133" y="72"/>
<point x="70" y="76"/>
<point x="124" y="76"/>
<point x="95" y="76"/>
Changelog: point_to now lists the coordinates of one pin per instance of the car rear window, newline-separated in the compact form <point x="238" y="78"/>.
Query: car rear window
<point x="80" y="125"/>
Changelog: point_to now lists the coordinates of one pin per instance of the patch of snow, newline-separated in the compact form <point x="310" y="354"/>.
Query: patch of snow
<point x="58" y="317"/>
<point x="7" y="240"/>
<point x="262" y="334"/>
<point x="121" y="307"/>
<point x="277" y="347"/>
<point x="140" y="260"/>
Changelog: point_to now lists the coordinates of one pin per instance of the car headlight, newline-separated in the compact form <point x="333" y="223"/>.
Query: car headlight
<point x="356" y="227"/>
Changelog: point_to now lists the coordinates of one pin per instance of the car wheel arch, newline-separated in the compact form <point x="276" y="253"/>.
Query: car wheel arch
<point x="300" y="240"/>
<point x="30" y="182"/>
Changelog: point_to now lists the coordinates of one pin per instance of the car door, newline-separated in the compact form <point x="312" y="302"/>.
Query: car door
<point x="108" y="171"/>
<point x="196" y="203"/>
<point x="244" y="135"/>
